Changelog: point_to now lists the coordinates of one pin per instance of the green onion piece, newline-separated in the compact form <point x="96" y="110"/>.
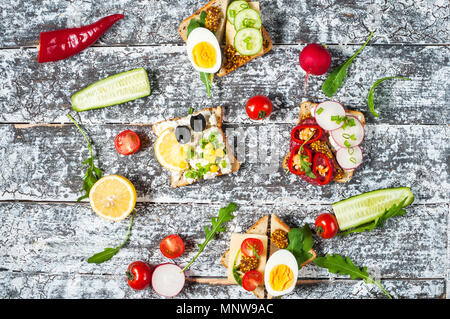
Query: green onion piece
<point x="320" y="110"/>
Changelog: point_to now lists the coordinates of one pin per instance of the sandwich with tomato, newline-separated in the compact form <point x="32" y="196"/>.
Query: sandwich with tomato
<point x="325" y="144"/>
<point x="260" y="260"/>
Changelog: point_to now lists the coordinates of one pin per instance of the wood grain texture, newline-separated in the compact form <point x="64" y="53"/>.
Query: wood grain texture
<point x="41" y="93"/>
<point x="55" y="240"/>
<point x="288" y="21"/>
<point x="43" y="163"/>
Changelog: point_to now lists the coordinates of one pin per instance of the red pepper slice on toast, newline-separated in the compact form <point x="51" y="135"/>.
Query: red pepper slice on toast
<point x="294" y="163"/>
<point x="302" y="132"/>
<point x="322" y="168"/>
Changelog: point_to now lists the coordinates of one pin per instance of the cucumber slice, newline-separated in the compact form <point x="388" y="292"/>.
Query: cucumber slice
<point x="361" y="209"/>
<point x="248" y="41"/>
<point x="115" y="89"/>
<point x="234" y="8"/>
<point x="247" y="18"/>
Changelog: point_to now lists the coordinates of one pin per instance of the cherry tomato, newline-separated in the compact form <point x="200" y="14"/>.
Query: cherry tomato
<point x="326" y="225"/>
<point x="252" y="246"/>
<point x="258" y="107"/>
<point x="127" y="142"/>
<point x="251" y="280"/>
<point x="172" y="246"/>
<point x="139" y="275"/>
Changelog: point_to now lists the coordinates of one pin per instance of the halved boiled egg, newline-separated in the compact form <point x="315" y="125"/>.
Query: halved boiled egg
<point x="204" y="50"/>
<point x="281" y="272"/>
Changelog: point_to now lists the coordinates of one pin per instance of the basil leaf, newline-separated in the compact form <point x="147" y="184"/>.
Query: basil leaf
<point x="202" y="19"/>
<point x="193" y="24"/>
<point x="334" y="80"/>
<point x="300" y="242"/>
<point x="370" y="97"/>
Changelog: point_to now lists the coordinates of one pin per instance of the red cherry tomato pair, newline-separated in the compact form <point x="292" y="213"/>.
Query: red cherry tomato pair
<point x="326" y="225"/>
<point x="127" y="142"/>
<point x="252" y="247"/>
<point x="258" y="107"/>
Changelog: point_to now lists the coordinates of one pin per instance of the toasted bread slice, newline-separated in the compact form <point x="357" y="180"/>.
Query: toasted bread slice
<point x="305" y="111"/>
<point x="222" y="5"/>
<point x="177" y="178"/>
<point x="261" y="227"/>
<point x="230" y="32"/>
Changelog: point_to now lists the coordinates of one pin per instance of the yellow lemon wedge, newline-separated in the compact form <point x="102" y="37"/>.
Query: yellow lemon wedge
<point x="169" y="152"/>
<point x="113" y="197"/>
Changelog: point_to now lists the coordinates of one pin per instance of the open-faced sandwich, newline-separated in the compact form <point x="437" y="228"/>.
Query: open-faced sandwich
<point x="324" y="145"/>
<point x="194" y="147"/>
<point x="262" y="261"/>
<point x="245" y="37"/>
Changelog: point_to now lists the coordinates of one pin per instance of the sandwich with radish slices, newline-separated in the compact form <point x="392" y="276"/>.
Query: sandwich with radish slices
<point x="325" y="143"/>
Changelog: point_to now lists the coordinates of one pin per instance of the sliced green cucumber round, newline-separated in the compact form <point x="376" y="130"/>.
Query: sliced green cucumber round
<point x="247" y="18"/>
<point x="361" y="209"/>
<point x="248" y="41"/>
<point x="234" y="8"/>
<point x="115" y="89"/>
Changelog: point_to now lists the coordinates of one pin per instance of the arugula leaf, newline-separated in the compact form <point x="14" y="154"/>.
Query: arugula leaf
<point x="338" y="264"/>
<point x="207" y="79"/>
<point x="300" y="243"/>
<point x="225" y="215"/>
<point x="108" y="253"/>
<point x="394" y="210"/>
<point x="334" y="80"/>
<point x="370" y="97"/>
<point x="93" y="173"/>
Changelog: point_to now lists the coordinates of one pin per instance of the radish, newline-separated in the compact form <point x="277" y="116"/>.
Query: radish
<point x="315" y="60"/>
<point x="325" y="112"/>
<point x="349" y="136"/>
<point x="349" y="158"/>
<point x="168" y="280"/>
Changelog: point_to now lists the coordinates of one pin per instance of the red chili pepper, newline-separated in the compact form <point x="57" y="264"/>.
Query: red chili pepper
<point x="295" y="133"/>
<point x="322" y="160"/>
<point x="61" y="44"/>
<point x="293" y="161"/>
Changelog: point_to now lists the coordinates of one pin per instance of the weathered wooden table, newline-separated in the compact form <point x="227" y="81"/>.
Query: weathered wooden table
<point x="46" y="236"/>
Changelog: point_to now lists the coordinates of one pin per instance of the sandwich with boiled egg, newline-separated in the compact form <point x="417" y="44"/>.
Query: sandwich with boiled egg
<point x="194" y="147"/>
<point x="259" y="261"/>
<point x="239" y="22"/>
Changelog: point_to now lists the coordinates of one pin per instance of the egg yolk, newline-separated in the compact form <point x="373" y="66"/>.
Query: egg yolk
<point x="281" y="277"/>
<point x="204" y="55"/>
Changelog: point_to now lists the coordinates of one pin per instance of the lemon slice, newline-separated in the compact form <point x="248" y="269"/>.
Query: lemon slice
<point x="169" y="152"/>
<point x="113" y="197"/>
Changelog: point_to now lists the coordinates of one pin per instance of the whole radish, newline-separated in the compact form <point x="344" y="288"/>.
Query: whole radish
<point x="315" y="60"/>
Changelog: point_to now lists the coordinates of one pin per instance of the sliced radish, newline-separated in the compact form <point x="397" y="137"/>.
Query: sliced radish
<point x="350" y="135"/>
<point x="326" y="113"/>
<point x="168" y="280"/>
<point x="349" y="158"/>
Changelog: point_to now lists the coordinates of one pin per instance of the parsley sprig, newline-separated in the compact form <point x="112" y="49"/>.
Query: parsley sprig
<point x="93" y="173"/>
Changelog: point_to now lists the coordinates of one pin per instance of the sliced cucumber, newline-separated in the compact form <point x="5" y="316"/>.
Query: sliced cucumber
<point x="115" y="89"/>
<point x="234" y="8"/>
<point x="247" y="18"/>
<point x="248" y="41"/>
<point x="361" y="209"/>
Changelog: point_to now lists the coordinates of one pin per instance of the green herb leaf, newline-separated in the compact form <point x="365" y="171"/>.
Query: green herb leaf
<point x="334" y="80"/>
<point x="337" y="264"/>
<point x="108" y="253"/>
<point x="225" y="215"/>
<point x="193" y="24"/>
<point x="207" y="79"/>
<point x="370" y="97"/>
<point x="300" y="243"/>
<point x="93" y="173"/>
<point x="202" y="18"/>
<point x="394" y="210"/>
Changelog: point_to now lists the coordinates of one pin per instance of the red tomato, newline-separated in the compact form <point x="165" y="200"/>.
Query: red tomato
<point x="251" y="280"/>
<point x="127" y="142"/>
<point x="139" y="275"/>
<point x="250" y="246"/>
<point x="326" y="225"/>
<point x="172" y="246"/>
<point x="258" y="107"/>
